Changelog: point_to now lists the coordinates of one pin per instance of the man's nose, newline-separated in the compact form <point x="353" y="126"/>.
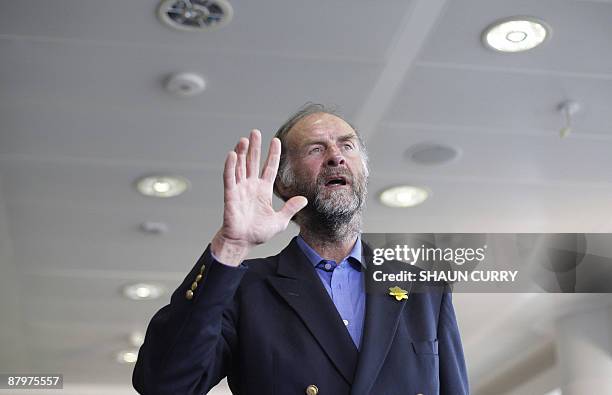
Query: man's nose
<point x="335" y="158"/>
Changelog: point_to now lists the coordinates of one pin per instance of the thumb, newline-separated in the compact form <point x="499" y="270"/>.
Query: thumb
<point x="292" y="206"/>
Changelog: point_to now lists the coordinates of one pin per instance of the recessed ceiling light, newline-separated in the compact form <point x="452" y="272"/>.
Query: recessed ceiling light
<point x="127" y="356"/>
<point x="142" y="291"/>
<point x="195" y="15"/>
<point x="403" y="196"/>
<point x="162" y="186"/>
<point x="429" y="153"/>
<point x="516" y="34"/>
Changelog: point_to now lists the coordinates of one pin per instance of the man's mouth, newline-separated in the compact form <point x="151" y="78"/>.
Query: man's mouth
<point x="336" y="181"/>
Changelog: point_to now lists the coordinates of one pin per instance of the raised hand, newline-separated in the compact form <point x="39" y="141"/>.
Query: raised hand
<point x="248" y="216"/>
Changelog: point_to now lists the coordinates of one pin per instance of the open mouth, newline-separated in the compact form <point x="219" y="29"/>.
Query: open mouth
<point x="335" y="181"/>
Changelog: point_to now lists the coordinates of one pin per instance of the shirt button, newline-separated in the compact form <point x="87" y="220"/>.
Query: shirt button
<point x="327" y="266"/>
<point x="345" y="322"/>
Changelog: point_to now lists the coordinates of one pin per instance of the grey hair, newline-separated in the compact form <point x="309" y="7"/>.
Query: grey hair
<point x="285" y="174"/>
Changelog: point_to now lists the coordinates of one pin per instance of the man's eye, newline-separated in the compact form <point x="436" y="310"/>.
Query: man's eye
<point x="348" y="146"/>
<point x="315" y="150"/>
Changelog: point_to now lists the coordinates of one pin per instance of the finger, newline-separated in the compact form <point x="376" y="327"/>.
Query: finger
<point x="241" y="149"/>
<point x="292" y="206"/>
<point x="229" y="171"/>
<point x="271" y="165"/>
<point x="253" y="155"/>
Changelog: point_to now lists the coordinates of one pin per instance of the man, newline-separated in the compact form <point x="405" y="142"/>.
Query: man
<point x="301" y="321"/>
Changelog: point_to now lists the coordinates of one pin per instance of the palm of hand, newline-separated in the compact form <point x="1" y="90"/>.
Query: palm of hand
<point x="248" y="216"/>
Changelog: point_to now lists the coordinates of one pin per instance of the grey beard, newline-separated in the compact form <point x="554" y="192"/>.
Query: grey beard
<point x="329" y="228"/>
<point x="334" y="218"/>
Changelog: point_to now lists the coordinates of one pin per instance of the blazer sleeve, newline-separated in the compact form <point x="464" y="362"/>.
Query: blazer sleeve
<point x="453" y="372"/>
<point x="189" y="343"/>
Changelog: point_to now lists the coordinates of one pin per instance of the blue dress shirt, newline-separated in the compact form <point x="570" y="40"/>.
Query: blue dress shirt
<point x="344" y="284"/>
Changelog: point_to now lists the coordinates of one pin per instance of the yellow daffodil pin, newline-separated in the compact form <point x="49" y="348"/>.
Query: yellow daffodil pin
<point x="398" y="293"/>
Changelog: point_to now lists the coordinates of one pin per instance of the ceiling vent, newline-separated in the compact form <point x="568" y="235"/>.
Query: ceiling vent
<point x="195" y="15"/>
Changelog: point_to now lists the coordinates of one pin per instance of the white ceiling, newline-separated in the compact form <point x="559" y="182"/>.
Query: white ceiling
<point x="83" y="114"/>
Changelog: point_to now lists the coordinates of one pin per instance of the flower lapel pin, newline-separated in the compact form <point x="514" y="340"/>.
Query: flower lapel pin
<point x="398" y="293"/>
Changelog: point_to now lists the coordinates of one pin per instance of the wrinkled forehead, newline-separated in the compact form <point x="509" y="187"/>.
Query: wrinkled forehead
<point x="319" y="127"/>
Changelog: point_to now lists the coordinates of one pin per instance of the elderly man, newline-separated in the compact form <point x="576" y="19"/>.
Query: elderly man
<point x="300" y="322"/>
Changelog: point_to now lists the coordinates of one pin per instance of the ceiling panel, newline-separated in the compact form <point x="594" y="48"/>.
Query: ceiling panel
<point x="77" y="221"/>
<point x="333" y="28"/>
<point x="93" y="312"/>
<point x="128" y="79"/>
<point x="518" y="157"/>
<point x="501" y="100"/>
<point x="107" y="185"/>
<point x="149" y="135"/>
<point x="479" y="206"/>
<point x="96" y="255"/>
<point x="574" y="46"/>
<point x="99" y="285"/>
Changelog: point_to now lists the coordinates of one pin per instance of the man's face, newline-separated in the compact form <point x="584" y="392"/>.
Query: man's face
<point x="326" y="160"/>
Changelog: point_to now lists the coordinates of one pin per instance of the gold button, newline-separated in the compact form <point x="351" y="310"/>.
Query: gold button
<point x="198" y="277"/>
<point x="202" y="268"/>
<point x="194" y="285"/>
<point x="312" y="390"/>
<point x="189" y="294"/>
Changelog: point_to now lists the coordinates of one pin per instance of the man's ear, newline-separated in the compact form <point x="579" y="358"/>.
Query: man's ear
<point x="281" y="190"/>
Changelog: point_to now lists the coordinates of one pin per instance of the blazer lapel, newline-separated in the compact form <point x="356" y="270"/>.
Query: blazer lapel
<point x="298" y="284"/>
<point x="381" y="321"/>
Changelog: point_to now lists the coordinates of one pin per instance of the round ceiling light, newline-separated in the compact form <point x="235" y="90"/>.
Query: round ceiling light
<point x="430" y="154"/>
<point x="195" y="15"/>
<point x="127" y="356"/>
<point x="403" y="196"/>
<point x="142" y="291"/>
<point x="162" y="186"/>
<point x="516" y="34"/>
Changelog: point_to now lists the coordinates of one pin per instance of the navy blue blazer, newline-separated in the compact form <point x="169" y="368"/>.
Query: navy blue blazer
<point x="272" y="329"/>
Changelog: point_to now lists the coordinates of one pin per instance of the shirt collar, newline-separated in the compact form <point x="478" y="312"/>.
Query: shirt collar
<point x="315" y="258"/>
